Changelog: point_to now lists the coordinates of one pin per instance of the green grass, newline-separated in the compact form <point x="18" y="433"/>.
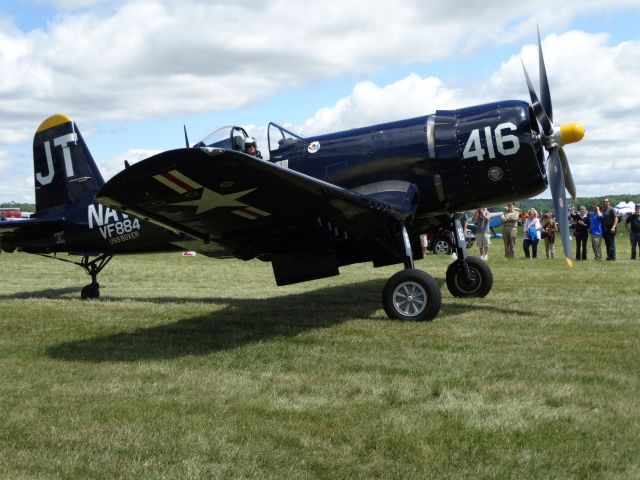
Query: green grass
<point x="195" y="368"/>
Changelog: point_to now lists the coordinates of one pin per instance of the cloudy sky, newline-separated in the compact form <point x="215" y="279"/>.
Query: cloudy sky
<point x="131" y="73"/>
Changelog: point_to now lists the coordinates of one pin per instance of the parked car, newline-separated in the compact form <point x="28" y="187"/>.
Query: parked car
<point x="441" y="240"/>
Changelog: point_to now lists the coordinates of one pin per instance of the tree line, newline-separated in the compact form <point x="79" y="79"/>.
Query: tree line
<point x="544" y="205"/>
<point x="24" y="207"/>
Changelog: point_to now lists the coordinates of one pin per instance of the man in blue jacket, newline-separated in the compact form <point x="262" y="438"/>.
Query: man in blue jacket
<point x="595" y="229"/>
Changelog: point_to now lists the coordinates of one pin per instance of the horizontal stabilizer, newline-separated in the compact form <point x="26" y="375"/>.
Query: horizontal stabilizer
<point x="13" y="232"/>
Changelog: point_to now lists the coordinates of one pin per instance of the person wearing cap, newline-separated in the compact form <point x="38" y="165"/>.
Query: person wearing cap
<point x="633" y="225"/>
<point x="251" y="147"/>
<point x="509" y="230"/>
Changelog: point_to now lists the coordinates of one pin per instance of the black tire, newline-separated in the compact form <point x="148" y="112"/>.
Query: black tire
<point x="411" y="295"/>
<point x="481" y="278"/>
<point x="442" y="246"/>
<point x="91" y="291"/>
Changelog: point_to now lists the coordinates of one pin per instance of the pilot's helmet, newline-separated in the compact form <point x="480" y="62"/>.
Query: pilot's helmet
<point x="250" y="142"/>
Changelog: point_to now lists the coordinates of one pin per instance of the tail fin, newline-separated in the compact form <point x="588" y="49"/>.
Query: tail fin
<point x="65" y="172"/>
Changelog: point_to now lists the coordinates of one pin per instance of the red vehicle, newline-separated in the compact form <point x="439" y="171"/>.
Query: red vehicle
<point x="10" y="213"/>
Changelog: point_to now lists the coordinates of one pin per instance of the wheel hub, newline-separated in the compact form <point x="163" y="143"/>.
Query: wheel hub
<point x="468" y="284"/>
<point x="410" y="298"/>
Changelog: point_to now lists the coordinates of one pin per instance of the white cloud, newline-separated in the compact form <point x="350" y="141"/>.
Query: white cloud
<point x="595" y="83"/>
<point x="590" y="81"/>
<point x="115" y="164"/>
<point x="18" y="188"/>
<point x="141" y="59"/>
<point x="71" y="4"/>
<point x="368" y="104"/>
<point x="14" y="185"/>
<point x="155" y="58"/>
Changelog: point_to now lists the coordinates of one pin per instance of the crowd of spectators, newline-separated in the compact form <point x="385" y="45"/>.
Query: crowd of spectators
<point x="601" y="224"/>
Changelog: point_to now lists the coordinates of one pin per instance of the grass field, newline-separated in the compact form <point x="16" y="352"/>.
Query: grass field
<point x="195" y="368"/>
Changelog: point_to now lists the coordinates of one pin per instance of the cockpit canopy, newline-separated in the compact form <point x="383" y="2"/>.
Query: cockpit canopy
<point x="233" y="138"/>
<point x="280" y="138"/>
<point x="228" y="137"/>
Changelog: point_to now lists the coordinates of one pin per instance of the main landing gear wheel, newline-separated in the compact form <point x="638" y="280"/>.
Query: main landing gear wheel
<point x="90" y="292"/>
<point x="478" y="286"/>
<point x="411" y="294"/>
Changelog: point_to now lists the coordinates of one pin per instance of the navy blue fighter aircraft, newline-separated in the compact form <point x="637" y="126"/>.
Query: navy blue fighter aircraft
<point x="67" y="218"/>
<point x="362" y="195"/>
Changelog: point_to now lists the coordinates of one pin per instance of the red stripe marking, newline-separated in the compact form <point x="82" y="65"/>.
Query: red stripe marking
<point x="251" y="212"/>
<point x="177" y="181"/>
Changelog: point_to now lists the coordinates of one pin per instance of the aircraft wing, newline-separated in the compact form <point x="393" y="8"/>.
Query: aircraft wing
<point x="228" y="197"/>
<point x="495" y="219"/>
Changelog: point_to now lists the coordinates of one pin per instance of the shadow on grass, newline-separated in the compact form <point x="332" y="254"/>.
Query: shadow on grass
<point x="54" y="293"/>
<point x="63" y="294"/>
<point x="243" y="322"/>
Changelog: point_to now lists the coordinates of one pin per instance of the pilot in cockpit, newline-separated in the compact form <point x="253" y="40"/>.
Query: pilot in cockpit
<point x="251" y="147"/>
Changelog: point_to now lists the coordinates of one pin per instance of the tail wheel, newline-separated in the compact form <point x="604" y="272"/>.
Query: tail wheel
<point x="411" y="295"/>
<point x="91" y="291"/>
<point x="478" y="286"/>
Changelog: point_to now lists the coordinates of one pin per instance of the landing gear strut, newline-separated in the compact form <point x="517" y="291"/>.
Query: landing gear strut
<point x="467" y="276"/>
<point x="414" y="295"/>
<point x="411" y="294"/>
<point x="93" y="268"/>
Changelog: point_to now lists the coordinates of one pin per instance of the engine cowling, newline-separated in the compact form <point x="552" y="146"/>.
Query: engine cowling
<point x="488" y="154"/>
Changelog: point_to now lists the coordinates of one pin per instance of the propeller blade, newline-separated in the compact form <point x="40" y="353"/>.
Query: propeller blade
<point x="556" y="183"/>
<point x="538" y="109"/>
<point x="568" y="178"/>
<point x="545" y="95"/>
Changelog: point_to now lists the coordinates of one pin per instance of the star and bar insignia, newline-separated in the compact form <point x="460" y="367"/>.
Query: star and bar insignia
<point x="209" y="199"/>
